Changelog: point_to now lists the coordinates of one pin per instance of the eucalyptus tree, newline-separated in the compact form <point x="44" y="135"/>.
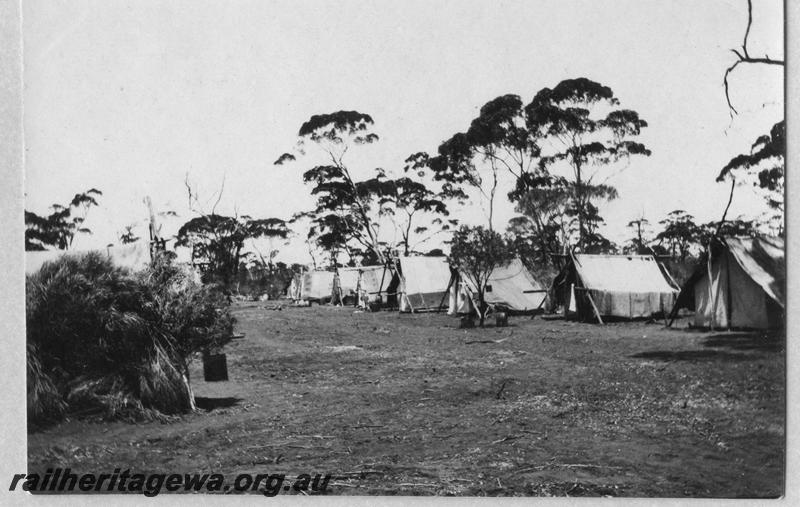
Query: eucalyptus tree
<point x="580" y="120"/>
<point x="346" y="209"/>
<point x="59" y="228"/>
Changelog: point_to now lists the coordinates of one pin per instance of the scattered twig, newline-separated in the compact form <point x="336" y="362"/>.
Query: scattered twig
<point x="360" y="473"/>
<point x="470" y="342"/>
<point x="502" y="388"/>
<point x="564" y="465"/>
<point x="504" y="439"/>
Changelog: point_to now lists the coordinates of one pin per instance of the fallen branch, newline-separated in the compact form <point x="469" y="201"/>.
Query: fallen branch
<point x="485" y="341"/>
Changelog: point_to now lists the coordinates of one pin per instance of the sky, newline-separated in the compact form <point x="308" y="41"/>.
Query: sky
<point x="133" y="97"/>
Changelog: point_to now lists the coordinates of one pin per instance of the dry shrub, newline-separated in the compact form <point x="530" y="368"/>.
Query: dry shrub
<point x="109" y="342"/>
<point x="45" y="403"/>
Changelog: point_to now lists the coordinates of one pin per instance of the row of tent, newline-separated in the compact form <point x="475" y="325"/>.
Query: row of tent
<point x="739" y="284"/>
<point x="414" y="284"/>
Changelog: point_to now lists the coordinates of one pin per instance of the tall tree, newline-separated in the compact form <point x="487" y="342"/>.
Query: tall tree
<point x="497" y="142"/>
<point x="346" y="208"/>
<point x="543" y="228"/>
<point x="762" y="168"/>
<point x="579" y="117"/>
<point x="58" y="229"/>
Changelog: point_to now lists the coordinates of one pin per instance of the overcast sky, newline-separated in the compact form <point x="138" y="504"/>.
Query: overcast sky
<point x="129" y="97"/>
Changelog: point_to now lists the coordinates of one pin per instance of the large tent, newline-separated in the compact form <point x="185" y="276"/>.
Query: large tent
<point x="743" y="286"/>
<point x="510" y="287"/>
<point x="421" y="283"/>
<point x="628" y="286"/>
<point x="317" y="286"/>
<point x="134" y="256"/>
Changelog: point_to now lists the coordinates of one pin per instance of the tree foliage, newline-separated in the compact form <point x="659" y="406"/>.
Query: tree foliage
<point x="679" y="234"/>
<point x="218" y="240"/>
<point x="579" y="117"/>
<point x="58" y="229"/>
<point x="476" y="252"/>
<point x="763" y="166"/>
<point x="345" y="216"/>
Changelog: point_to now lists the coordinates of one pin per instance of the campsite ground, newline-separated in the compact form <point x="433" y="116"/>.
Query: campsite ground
<point x="409" y="404"/>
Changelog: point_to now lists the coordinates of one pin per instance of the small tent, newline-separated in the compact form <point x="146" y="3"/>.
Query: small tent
<point x="627" y="286"/>
<point x="510" y="287"/>
<point x="373" y="283"/>
<point x="318" y="286"/>
<point x="134" y="256"/>
<point x="345" y="284"/>
<point x="420" y="283"/>
<point x="745" y="288"/>
<point x="295" y="290"/>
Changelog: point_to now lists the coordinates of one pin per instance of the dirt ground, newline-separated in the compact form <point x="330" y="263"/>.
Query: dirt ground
<point x="410" y="405"/>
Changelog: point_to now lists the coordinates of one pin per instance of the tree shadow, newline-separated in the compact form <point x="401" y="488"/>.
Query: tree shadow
<point x="210" y="404"/>
<point x="693" y="355"/>
<point x="762" y="341"/>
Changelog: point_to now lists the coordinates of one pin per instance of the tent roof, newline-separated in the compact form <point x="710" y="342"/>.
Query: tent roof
<point x="763" y="259"/>
<point x="134" y="256"/>
<point x="424" y="275"/>
<point x="621" y="273"/>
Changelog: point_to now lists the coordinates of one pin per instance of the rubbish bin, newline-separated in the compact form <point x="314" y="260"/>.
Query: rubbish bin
<point x="215" y="367"/>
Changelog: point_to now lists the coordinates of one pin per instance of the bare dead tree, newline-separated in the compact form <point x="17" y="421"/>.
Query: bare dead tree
<point x="743" y="56"/>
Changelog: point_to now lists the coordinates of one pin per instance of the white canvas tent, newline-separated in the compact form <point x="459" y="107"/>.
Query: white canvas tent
<point x="627" y="286"/>
<point x="373" y="282"/>
<point x="510" y="287"/>
<point x="421" y="284"/>
<point x="745" y="288"/>
<point x="345" y="284"/>
<point x="295" y="290"/>
<point x="134" y="256"/>
<point x="317" y="286"/>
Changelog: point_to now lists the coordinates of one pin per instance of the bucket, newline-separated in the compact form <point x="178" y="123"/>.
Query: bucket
<point x="500" y="319"/>
<point x="215" y="367"/>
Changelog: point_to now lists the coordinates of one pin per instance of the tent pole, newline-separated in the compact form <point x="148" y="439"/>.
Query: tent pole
<point x="594" y="306"/>
<point x="446" y="293"/>
<point x="711" y="299"/>
<point x="729" y="303"/>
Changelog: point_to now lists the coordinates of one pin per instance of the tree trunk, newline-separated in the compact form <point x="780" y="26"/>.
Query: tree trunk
<point x="481" y="305"/>
<point x="579" y="202"/>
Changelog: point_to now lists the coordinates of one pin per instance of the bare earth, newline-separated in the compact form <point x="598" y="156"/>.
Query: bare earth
<point x="402" y="404"/>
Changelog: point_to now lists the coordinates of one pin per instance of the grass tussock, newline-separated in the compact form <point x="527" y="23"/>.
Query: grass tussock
<point x="106" y="342"/>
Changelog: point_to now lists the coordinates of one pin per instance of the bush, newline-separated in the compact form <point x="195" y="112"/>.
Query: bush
<point x="104" y="340"/>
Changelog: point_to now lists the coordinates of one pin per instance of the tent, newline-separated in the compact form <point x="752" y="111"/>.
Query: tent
<point x="295" y="290"/>
<point x="628" y="286"/>
<point x="420" y="283"/>
<point x="134" y="256"/>
<point x="373" y="282"/>
<point x="345" y="284"/>
<point x="747" y="285"/>
<point x="318" y="286"/>
<point x="510" y="287"/>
